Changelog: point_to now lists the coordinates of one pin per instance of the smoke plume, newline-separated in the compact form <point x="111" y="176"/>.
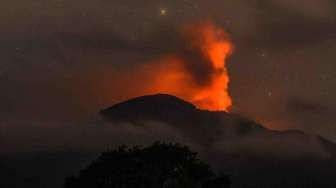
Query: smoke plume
<point x="194" y="71"/>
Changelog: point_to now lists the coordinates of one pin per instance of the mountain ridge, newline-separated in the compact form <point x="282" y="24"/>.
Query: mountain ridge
<point x="209" y="127"/>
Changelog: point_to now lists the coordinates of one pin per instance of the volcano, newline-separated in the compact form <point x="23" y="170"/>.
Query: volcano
<point x="254" y="155"/>
<point x="177" y="112"/>
<point x="201" y="125"/>
<point x="235" y="134"/>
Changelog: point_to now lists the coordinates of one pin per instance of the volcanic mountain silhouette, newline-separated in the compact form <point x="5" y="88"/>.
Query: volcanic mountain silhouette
<point x="230" y="133"/>
<point x="202" y="126"/>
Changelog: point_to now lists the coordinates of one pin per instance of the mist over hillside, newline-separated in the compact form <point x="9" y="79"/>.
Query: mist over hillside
<point x="252" y="154"/>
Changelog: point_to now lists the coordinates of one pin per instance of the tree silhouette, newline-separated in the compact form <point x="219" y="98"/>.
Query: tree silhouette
<point x="161" y="165"/>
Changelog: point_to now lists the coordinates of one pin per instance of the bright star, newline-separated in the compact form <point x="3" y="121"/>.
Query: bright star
<point x="163" y="11"/>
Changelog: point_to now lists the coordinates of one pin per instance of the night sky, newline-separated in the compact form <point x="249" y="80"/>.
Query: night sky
<point x="59" y="59"/>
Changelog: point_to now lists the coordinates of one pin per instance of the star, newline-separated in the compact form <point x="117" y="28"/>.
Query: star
<point x="163" y="11"/>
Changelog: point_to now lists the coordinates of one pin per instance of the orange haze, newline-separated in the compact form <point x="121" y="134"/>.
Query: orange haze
<point x="196" y="71"/>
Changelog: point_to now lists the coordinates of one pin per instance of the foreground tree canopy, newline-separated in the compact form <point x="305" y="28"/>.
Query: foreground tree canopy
<point x="161" y="165"/>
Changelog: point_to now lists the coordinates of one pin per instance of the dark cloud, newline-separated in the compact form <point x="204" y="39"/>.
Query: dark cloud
<point x="311" y="115"/>
<point x="297" y="105"/>
<point x="285" y="24"/>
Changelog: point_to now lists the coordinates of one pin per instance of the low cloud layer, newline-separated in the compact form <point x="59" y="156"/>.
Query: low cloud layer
<point x="98" y="136"/>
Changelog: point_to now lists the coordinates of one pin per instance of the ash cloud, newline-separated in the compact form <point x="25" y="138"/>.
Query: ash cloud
<point x="165" y="40"/>
<point x="64" y="60"/>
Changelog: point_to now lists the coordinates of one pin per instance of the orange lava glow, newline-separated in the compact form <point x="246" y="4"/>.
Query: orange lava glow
<point x="216" y="48"/>
<point x="174" y="77"/>
<point x="195" y="70"/>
